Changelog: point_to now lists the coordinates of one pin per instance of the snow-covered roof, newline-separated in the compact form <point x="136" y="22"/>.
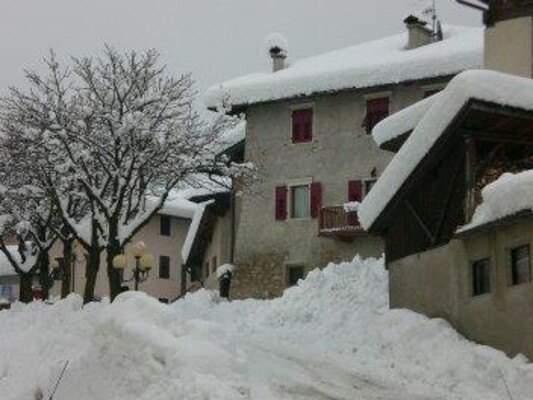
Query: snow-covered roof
<point x="5" y="266"/>
<point x="402" y="122"/>
<point x="201" y="185"/>
<point x="193" y="230"/>
<point x="179" y="207"/>
<point x="494" y="87"/>
<point x="380" y="62"/>
<point x="234" y="136"/>
<point x="508" y="195"/>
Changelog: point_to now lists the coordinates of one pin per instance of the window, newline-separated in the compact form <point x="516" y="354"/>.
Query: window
<point x="164" y="267"/>
<point x="294" y="274"/>
<point x="206" y="269"/>
<point x="300" y="201"/>
<point x="520" y="265"/>
<point x="481" y="277"/>
<point x="376" y="110"/>
<point x="213" y="264"/>
<point x="165" y="224"/>
<point x="302" y="125"/>
<point x="163" y="300"/>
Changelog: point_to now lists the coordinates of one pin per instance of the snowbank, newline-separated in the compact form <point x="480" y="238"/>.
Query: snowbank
<point x="508" y="195"/>
<point x="490" y="86"/>
<point x="330" y="337"/>
<point x="375" y="63"/>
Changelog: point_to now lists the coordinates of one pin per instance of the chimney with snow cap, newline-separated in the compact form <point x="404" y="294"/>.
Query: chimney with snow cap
<point x="418" y="32"/>
<point x="278" y="48"/>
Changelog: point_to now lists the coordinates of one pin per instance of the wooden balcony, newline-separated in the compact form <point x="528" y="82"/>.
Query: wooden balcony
<point x="336" y="222"/>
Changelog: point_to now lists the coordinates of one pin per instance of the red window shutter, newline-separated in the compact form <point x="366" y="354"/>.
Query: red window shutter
<point x="355" y="190"/>
<point x="355" y="193"/>
<point x="316" y="199"/>
<point x="281" y="203"/>
<point x="376" y="110"/>
<point x="302" y="125"/>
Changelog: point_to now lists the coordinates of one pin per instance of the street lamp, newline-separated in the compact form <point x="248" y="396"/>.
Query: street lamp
<point x="144" y="262"/>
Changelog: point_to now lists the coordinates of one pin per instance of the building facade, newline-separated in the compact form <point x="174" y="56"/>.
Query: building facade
<point x="453" y="205"/>
<point x="308" y="131"/>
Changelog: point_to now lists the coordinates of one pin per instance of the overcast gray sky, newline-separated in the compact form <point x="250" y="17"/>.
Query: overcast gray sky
<point x="214" y="39"/>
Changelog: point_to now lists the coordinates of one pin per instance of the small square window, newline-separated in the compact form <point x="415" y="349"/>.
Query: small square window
<point x="165" y="225"/>
<point x="481" y="277"/>
<point x="300" y="202"/>
<point x="294" y="274"/>
<point x="302" y="125"/>
<point x="520" y="265"/>
<point x="164" y="267"/>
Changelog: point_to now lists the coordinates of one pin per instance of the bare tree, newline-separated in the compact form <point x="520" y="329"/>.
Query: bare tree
<point x="116" y="134"/>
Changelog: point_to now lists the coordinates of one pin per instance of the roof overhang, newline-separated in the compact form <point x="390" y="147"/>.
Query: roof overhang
<point x="481" y="120"/>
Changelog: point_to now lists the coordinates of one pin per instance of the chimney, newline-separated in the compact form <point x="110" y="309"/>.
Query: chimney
<point x="509" y="36"/>
<point x="419" y="33"/>
<point x="277" y="46"/>
<point x="278" y="58"/>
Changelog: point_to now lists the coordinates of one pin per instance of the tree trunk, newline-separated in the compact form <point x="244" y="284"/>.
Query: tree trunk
<point x="93" y="264"/>
<point x="25" y="292"/>
<point x="44" y="274"/>
<point x="113" y="274"/>
<point x="66" y="284"/>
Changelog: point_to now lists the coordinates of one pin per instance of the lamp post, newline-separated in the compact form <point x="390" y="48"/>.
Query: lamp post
<point x="144" y="262"/>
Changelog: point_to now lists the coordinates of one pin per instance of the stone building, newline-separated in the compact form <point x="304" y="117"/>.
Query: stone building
<point x="454" y="205"/>
<point x="307" y="129"/>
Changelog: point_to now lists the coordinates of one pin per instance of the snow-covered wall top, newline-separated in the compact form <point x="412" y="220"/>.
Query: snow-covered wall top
<point x="179" y="208"/>
<point x="494" y="87"/>
<point x="379" y="62"/>
<point x="402" y="122"/>
<point x="508" y="195"/>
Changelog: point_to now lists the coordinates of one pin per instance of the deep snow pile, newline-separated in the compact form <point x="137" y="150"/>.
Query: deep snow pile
<point x="331" y="337"/>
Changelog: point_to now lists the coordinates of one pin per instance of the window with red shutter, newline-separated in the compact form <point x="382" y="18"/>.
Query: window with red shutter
<point x="355" y="193"/>
<point x="302" y="125"/>
<point x="281" y="203"/>
<point x="376" y="110"/>
<point x="316" y="199"/>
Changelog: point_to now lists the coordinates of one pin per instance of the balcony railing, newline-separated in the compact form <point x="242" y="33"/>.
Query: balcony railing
<point x="334" y="221"/>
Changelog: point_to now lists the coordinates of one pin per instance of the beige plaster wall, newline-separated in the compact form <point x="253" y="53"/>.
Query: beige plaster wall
<point x="509" y="46"/>
<point x="340" y="151"/>
<point x="438" y="283"/>
<point x="157" y="244"/>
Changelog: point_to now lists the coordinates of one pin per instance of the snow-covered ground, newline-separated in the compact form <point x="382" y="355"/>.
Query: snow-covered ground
<point x="331" y="337"/>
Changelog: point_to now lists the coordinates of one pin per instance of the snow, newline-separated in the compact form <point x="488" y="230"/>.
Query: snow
<point x="351" y="206"/>
<point x="375" y="63"/>
<point x="6" y="269"/>
<point x="193" y="230"/>
<point x="508" y="195"/>
<point x="330" y="337"/>
<point x="403" y="121"/>
<point x="233" y="136"/>
<point x="179" y="207"/>
<point x="223" y="269"/>
<point x="277" y="40"/>
<point x="490" y="86"/>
